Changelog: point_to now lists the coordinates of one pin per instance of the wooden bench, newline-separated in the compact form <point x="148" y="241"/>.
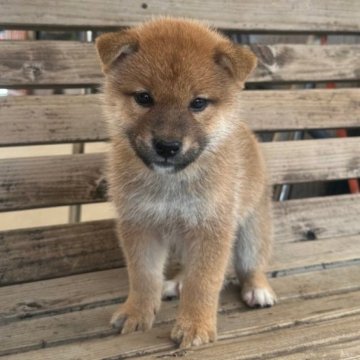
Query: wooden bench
<point x="61" y="283"/>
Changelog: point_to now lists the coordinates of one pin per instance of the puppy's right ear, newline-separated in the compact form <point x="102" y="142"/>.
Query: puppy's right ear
<point x="114" y="47"/>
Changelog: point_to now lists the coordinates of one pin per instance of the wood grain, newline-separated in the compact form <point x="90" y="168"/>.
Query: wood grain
<point x="69" y="118"/>
<point x="305" y="335"/>
<point x="349" y="349"/>
<point x="57" y="251"/>
<point x="294" y="257"/>
<point x="48" y="63"/>
<point x="50" y="119"/>
<point x="48" y="252"/>
<point x="74" y="293"/>
<point x="299" y="109"/>
<point x="246" y="15"/>
<point x="51" y="180"/>
<point x="90" y="323"/>
<point x="332" y="318"/>
<point x="316" y="218"/>
<point x="68" y="63"/>
<point x="73" y="179"/>
<point x="313" y="160"/>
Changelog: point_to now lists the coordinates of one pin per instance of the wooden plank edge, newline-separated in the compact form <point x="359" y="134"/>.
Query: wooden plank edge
<point x="33" y="304"/>
<point x="233" y="326"/>
<point x="289" y="292"/>
<point x="255" y="110"/>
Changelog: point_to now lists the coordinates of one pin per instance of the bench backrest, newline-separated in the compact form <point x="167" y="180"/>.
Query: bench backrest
<point x="47" y="181"/>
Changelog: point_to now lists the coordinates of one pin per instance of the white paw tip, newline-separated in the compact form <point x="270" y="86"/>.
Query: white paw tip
<point x="197" y="341"/>
<point x="259" y="297"/>
<point x="171" y="289"/>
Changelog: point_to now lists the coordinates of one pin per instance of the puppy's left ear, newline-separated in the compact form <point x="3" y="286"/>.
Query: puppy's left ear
<point x="237" y="60"/>
<point x="115" y="47"/>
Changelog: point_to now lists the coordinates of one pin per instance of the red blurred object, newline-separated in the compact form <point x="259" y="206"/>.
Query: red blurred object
<point x="353" y="183"/>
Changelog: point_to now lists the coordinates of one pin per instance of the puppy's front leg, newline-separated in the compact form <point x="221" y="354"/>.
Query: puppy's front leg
<point x="145" y="255"/>
<point x="209" y="250"/>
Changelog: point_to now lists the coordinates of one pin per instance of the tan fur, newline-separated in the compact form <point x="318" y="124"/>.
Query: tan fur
<point x="220" y="201"/>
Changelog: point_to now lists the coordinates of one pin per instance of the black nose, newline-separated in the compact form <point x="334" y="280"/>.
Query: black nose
<point x="166" y="149"/>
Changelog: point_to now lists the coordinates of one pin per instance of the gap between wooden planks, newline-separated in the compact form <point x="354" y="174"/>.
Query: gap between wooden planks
<point x="305" y="299"/>
<point x="304" y="336"/>
<point x="74" y="292"/>
<point x="345" y="350"/>
<point x="74" y="179"/>
<point x="62" y="250"/>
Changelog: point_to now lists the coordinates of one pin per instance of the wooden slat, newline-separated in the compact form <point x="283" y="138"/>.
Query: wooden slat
<point x="311" y="160"/>
<point x="51" y="180"/>
<point x="68" y="63"/>
<point x="42" y="253"/>
<point x="280" y="63"/>
<point x="317" y="218"/>
<point x="72" y="179"/>
<point x="294" y="257"/>
<point x="308" y="335"/>
<point x="234" y="326"/>
<point x="299" y="109"/>
<point x="349" y="349"/>
<point x="50" y="119"/>
<point x="249" y="15"/>
<point x="59" y="250"/>
<point x="80" y="325"/>
<point x="68" y="118"/>
<point x="48" y="63"/>
<point x="72" y="293"/>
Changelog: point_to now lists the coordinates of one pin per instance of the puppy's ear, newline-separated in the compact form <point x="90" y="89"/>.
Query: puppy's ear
<point x="114" y="47"/>
<point x="238" y="61"/>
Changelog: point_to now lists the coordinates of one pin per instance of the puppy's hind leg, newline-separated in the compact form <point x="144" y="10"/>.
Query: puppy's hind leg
<point x="172" y="288"/>
<point x="252" y="250"/>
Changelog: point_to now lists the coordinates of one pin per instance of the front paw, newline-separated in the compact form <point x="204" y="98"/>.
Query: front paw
<point x="128" y="319"/>
<point x="187" y="333"/>
<point x="259" y="297"/>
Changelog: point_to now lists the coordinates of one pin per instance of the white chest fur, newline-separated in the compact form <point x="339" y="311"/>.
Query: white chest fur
<point x="164" y="198"/>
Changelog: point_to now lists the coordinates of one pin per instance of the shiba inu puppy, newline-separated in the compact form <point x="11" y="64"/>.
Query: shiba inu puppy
<point x="185" y="173"/>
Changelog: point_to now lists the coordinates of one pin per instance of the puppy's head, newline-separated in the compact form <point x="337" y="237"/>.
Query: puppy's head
<point x="170" y="84"/>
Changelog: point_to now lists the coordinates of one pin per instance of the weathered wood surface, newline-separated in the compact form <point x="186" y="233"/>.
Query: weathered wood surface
<point x="299" y="109"/>
<point x="57" y="251"/>
<point x="47" y="252"/>
<point x="236" y="324"/>
<point x="306" y="334"/>
<point x="294" y="292"/>
<point x="279" y="63"/>
<point x="48" y="63"/>
<point x="249" y="15"/>
<point x="51" y="180"/>
<point x="72" y="179"/>
<point x="295" y="257"/>
<point x="68" y="63"/>
<point x="69" y="118"/>
<point x="316" y="218"/>
<point x="72" y="327"/>
<point x="310" y="160"/>
<point x="50" y="119"/>
<point x="345" y="350"/>
<point x="73" y="293"/>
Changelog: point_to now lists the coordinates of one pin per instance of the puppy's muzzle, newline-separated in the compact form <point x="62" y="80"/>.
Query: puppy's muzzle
<point x="166" y="149"/>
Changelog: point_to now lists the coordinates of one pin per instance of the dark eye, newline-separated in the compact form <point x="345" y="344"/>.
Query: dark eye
<point x="143" y="99"/>
<point x="199" y="104"/>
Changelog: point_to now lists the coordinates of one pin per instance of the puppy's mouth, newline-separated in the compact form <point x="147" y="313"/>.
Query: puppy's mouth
<point x="165" y="165"/>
